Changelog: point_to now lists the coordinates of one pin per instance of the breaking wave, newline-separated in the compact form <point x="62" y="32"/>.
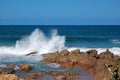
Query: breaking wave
<point x="36" y="42"/>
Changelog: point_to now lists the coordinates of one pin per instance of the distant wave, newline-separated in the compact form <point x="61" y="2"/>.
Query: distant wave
<point x="116" y="41"/>
<point x="79" y="38"/>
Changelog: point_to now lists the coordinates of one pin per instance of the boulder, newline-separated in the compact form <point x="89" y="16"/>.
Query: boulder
<point x="31" y="76"/>
<point x="67" y="74"/>
<point x="61" y="77"/>
<point x="92" y="53"/>
<point x="10" y="66"/>
<point x="11" y="71"/>
<point x="77" y="51"/>
<point x="64" y="52"/>
<point x="106" y="54"/>
<point x="2" y="71"/>
<point x="104" y="66"/>
<point x="9" y="77"/>
<point x="22" y="78"/>
<point x="24" y="67"/>
<point x="38" y="74"/>
<point x="52" y="73"/>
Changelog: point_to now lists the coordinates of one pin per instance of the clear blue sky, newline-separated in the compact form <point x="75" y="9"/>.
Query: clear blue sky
<point x="59" y="12"/>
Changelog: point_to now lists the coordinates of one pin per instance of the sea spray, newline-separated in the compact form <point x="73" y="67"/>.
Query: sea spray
<point x="36" y="42"/>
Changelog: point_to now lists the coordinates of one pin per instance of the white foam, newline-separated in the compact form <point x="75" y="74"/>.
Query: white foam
<point x="54" y="65"/>
<point x="36" y="42"/>
<point x="115" y="50"/>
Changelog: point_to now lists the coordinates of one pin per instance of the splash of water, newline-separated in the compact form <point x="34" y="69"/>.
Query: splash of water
<point x="36" y="42"/>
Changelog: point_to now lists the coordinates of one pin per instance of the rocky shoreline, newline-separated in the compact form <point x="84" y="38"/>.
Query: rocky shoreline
<point x="103" y="66"/>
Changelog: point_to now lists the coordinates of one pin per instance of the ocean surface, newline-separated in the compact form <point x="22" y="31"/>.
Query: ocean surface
<point x="23" y="39"/>
<point x="17" y="41"/>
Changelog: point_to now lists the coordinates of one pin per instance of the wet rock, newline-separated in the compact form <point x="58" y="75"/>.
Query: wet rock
<point x="11" y="71"/>
<point x="22" y="78"/>
<point x="77" y="51"/>
<point x="2" y="71"/>
<point x="67" y="65"/>
<point x="31" y="53"/>
<point x="24" y="67"/>
<point x="10" y="66"/>
<point x="31" y="76"/>
<point x="92" y="53"/>
<point x="52" y="73"/>
<point x="9" y="77"/>
<point x="61" y="77"/>
<point x="67" y="74"/>
<point x="64" y="52"/>
<point x="38" y="74"/>
<point x="106" y="54"/>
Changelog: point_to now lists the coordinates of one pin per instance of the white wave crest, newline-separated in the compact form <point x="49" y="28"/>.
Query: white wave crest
<point x="114" y="50"/>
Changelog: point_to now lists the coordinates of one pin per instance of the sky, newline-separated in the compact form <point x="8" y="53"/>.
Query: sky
<point x="59" y="12"/>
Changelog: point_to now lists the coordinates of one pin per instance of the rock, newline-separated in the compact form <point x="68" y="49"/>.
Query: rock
<point x="9" y="77"/>
<point x="22" y="78"/>
<point x="11" y="71"/>
<point x="64" y="52"/>
<point x="105" y="66"/>
<point x="67" y="65"/>
<point x="38" y="74"/>
<point x="52" y="73"/>
<point x="2" y="71"/>
<point x="31" y="53"/>
<point x="92" y="53"/>
<point x="24" y="67"/>
<point x="10" y="66"/>
<point x="31" y="76"/>
<point x="61" y="77"/>
<point x="106" y="54"/>
<point x="67" y="74"/>
<point x="99" y="65"/>
<point x="34" y="75"/>
<point x="77" y="51"/>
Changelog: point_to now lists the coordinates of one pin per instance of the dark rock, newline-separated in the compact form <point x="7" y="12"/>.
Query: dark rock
<point x="31" y="53"/>
<point x="2" y="71"/>
<point x="92" y="53"/>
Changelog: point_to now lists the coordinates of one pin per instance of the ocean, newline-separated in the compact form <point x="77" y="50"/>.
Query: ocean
<point x="18" y="40"/>
<point x="23" y="39"/>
